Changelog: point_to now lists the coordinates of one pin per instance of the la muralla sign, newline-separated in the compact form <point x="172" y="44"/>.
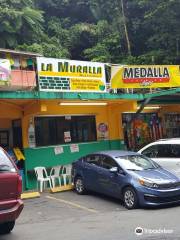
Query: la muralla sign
<point x="70" y="75"/>
<point x="145" y="76"/>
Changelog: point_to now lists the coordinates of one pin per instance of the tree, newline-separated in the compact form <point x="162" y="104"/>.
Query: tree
<point x="126" y="28"/>
<point x="19" y="19"/>
<point x="162" y="18"/>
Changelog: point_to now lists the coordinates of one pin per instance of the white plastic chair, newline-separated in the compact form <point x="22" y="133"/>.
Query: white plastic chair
<point x="42" y="177"/>
<point x="65" y="172"/>
<point x="55" y="174"/>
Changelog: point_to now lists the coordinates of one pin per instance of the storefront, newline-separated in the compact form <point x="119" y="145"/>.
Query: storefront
<point x="57" y="134"/>
<point x="159" y="115"/>
<point x="72" y="114"/>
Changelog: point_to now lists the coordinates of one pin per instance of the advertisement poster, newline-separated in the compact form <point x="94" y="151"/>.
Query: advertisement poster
<point x="102" y="131"/>
<point x="70" y="76"/>
<point x="68" y="117"/>
<point x="67" y="136"/>
<point x="145" y="76"/>
<point x="74" y="148"/>
<point x="5" y="72"/>
<point x="58" y="150"/>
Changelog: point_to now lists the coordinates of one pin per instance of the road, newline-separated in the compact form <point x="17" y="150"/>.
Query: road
<point x="68" y="216"/>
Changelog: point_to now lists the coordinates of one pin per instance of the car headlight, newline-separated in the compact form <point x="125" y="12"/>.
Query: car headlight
<point x="148" y="184"/>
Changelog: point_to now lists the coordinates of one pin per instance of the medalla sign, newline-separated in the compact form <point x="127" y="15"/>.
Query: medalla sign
<point x="145" y="76"/>
<point x="69" y="75"/>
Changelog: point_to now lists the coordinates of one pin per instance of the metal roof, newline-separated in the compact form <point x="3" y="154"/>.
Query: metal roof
<point x="167" y="99"/>
<point x="17" y="52"/>
<point x="168" y="96"/>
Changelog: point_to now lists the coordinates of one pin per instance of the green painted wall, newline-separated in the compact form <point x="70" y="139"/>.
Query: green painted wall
<point x="45" y="156"/>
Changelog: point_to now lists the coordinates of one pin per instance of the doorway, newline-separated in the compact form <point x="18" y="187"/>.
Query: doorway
<point x="4" y="139"/>
<point x="17" y="133"/>
<point x="141" y="129"/>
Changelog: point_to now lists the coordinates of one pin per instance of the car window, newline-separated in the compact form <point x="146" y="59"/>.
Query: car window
<point x="151" y="151"/>
<point x="175" y="150"/>
<point x="93" y="159"/>
<point x="164" y="151"/>
<point x="5" y="163"/>
<point x="159" y="151"/>
<point x="107" y="162"/>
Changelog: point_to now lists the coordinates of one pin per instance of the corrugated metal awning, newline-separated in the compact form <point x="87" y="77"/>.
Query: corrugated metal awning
<point x="17" y="52"/>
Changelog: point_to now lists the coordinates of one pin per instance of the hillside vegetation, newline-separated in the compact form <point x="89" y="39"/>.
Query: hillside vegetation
<point x="116" y="31"/>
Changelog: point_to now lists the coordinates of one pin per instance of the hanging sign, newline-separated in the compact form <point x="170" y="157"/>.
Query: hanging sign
<point x="145" y="76"/>
<point x="68" y="117"/>
<point x="69" y="75"/>
<point x="5" y="72"/>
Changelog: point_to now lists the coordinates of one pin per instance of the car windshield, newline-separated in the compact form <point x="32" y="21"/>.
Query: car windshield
<point x="136" y="162"/>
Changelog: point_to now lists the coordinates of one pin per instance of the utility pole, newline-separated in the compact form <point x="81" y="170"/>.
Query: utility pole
<point x="125" y="29"/>
<point x="177" y="47"/>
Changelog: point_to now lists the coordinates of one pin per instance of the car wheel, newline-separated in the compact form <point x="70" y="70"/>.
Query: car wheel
<point x="130" y="198"/>
<point x="7" y="227"/>
<point x="79" y="185"/>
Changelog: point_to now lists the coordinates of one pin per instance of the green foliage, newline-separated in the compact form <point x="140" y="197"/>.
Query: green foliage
<point x="18" y="17"/>
<point x="98" y="53"/>
<point x="95" y="30"/>
<point x="36" y="48"/>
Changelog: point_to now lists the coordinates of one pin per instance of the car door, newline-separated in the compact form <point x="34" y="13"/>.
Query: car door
<point x="167" y="155"/>
<point x="91" y="170"/>
<point x="174" y="161"/>
<point x="8" y="178"/>
<point x="109" y="183"/>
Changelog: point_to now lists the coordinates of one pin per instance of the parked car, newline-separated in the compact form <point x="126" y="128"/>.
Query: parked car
<point x="166" y="152"/>
<point x="130" y="176"/>
<point x="11" y="204"/>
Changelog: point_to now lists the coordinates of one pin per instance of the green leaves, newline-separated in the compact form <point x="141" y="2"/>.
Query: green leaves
<point x="33" y="18"/>
<point x="98" y="53"/>
<point x="18" y="17"/>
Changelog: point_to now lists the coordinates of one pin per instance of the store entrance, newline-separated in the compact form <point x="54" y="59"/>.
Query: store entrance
<point x="17" y="133"/>
<point x="141" y="129"/>
<point x="172" y="125"/>
<point x="4" y="139"/>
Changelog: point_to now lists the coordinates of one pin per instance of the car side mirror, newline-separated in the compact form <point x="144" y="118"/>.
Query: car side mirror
<point x="113" y="170"/>
<point x="121" y="172"/>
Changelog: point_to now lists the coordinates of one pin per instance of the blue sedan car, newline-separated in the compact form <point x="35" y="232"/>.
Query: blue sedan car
<point x="130" y="176"/>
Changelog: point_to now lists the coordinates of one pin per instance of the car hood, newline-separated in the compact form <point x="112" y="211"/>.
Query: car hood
<point x="158" y="175"/>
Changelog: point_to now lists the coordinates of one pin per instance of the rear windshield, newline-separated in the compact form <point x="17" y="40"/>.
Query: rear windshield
<point x="5" y="163"/>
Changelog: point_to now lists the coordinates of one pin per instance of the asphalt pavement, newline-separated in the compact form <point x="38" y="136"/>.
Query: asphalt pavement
<point x="69" y="216"/>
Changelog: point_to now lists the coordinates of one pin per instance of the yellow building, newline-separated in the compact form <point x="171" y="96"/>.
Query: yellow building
<point x="63" y="114"/>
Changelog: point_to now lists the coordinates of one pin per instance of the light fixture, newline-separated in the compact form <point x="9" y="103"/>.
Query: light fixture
<point x="150" y="107"/>
<point x="83" y="103"/>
